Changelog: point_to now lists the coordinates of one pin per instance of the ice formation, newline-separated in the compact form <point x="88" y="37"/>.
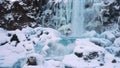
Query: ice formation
<point x="89" y="36"/>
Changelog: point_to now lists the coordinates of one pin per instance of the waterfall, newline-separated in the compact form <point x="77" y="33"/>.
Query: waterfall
<point x="78" y="18"/>
<point x="64" y="12"/>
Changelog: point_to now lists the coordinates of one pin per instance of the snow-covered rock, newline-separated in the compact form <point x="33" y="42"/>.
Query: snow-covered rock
<point x="48" y="35"/>
<point x="4" y="37"/>
<point x="21" y="36"/>
<point x="34" y="61"/>
<point x="29" y="47"/>
<point x="85" y="55"/>
<point x="88" y="55"/>
<point x="28" y="31"/>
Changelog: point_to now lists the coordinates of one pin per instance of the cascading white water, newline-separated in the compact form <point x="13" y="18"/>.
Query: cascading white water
<point x="78" y="18"/>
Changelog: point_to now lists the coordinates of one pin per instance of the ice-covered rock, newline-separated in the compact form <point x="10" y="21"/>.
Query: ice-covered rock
<point x="116" y="32"/>
<point x="117" y="42"/>
<point x="101" y="42"/>
<point x="90" y="34"/>
<point x="108" y="35"/>
<point x="57" y="49"/>
<point x="114" y="50"/>
<point x="65" y="29"/>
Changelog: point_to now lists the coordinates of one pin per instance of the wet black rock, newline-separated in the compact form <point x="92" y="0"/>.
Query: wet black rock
<point x="79" y="54"/>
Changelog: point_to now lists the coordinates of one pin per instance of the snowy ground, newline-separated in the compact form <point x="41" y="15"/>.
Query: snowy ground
<point x="45" y="48"/>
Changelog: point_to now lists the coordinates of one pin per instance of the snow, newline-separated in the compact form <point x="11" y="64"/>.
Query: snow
<point x="28" y="45"/>
<point x="14" y="0"/>
<point x="82" y="53"/>
<point x="9" y="16"/>
<point x="89" y="50"/>
<point x="3" y="39"/>
<point x="9" y="56"/>
<point x="53" y="54"/>
<point x="20" y="35"/>
<point x="86" y="48"/>
<point x="54" y="64"/>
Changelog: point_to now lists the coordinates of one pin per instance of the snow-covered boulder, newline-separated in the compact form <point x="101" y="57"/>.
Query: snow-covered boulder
<point x="21" y="36"/>
<point x="34" y="61"/>
<point x="48" y="35"/>
<point x="88" y="55"/>
<point x="51" y="32"/>
<point x="108" y="35"/>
